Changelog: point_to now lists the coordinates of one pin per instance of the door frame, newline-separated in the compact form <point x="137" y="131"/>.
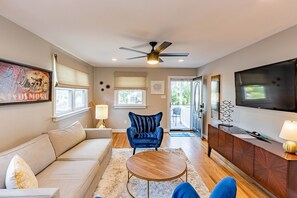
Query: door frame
<point x="190" y="78"/>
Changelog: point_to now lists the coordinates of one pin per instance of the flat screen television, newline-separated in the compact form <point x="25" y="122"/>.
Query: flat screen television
<point x="270" y="86"/>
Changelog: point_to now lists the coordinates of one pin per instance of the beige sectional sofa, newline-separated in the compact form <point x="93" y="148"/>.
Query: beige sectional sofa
<point x="67" y="162"/>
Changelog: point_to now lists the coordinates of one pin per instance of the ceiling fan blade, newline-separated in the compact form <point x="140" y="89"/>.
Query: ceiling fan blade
<point x="160" y="60"/>
<point x="174" y="54"/>
<point x="133" y="50"/>
<point x="136" y="57"/>
<point x="163" y="46"/>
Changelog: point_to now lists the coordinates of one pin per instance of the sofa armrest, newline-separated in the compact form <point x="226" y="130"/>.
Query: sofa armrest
<point x="95" y="133"/>
<point x="31" y="192"/>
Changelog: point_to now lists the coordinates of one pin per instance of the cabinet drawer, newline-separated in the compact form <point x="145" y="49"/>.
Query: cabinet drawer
<point x="243" y="155"/>
<point x="271" y="171"/>
<point x="225" y="145"/>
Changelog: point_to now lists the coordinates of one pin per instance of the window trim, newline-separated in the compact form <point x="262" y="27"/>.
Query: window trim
<point x="123" y="106"/>
<point x="68" y="115"/>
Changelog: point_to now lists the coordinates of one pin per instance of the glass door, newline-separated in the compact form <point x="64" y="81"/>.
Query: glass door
<point x="180" y="103"/>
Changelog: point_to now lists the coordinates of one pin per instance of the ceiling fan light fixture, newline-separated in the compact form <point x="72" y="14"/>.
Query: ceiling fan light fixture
<point x="152" y="59"/>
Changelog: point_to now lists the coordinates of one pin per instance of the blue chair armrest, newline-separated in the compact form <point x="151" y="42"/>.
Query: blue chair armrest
<point x="131" y="132"/>
<point x="159" y="132"/>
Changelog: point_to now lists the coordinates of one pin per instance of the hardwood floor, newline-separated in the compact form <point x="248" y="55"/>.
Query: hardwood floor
<point x="211" y="170"/>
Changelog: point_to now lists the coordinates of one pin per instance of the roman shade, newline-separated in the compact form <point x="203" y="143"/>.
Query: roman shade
<point x="68" y="77"/>
<point x="130" y="80"/>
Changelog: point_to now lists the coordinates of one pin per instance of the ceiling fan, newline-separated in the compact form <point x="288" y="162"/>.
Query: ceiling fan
<point x="153" y="57"/>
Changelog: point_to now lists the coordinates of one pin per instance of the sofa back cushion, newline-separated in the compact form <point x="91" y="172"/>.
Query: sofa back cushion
<point x="145" y="123"/>
<point x="38" y="153"/>
<point x="66" y="138"/>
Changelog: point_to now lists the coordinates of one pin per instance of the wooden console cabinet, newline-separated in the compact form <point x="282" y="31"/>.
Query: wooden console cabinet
<point x="265" y="162"/>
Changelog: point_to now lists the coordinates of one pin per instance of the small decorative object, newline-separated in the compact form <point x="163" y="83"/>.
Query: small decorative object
<point x="21" y="83"/>
<point x="101" y="83"/>
<point x="107" y="86"/>
<point x="102" y="89"/>
<point x="226" y="109"/>
<point x="101" y="114"/>
<point x="157" y="87"/>
<point x="289" y="133"/>
<point x="215" y="97"/>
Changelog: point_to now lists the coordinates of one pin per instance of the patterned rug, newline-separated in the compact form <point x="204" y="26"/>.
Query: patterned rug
<point x="181" y="134"/>
<point x="114" y="179"/>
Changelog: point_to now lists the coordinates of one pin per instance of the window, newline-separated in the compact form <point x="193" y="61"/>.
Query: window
<point x="130" y="98"/>
<point x="130" y="89"/>
<point x="71" y="91"/>
<point x="70" y="100"/>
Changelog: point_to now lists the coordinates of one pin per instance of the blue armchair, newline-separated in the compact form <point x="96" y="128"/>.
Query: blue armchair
<point x="226" y="188"/>
<point x="145" y="131"/>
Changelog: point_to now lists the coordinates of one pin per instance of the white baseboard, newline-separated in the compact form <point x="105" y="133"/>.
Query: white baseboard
<point x="124" y="130"/>
<point x="119" y="130"/>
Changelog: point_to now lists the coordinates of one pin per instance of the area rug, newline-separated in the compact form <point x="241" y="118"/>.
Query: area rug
<point x="114" y="179"/>
<point x="181" y="134"/>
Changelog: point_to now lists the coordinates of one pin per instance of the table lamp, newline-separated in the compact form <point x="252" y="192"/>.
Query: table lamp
<point x="289" y="133"/>
<point x="101" y="114"/>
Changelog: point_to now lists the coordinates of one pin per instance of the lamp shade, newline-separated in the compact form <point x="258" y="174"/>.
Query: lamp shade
<point x="152" y="58"/>
<point x="289" y="131"/>
<point x="101" y="112"/>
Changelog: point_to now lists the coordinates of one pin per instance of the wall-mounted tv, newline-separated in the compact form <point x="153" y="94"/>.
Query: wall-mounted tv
<point x="270" y="86"/>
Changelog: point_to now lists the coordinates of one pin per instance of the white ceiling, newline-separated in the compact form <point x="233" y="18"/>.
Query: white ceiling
<point x="93" y="30"/>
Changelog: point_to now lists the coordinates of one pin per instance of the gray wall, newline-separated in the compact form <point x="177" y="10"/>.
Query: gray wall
<point x="22" y="122"/>
<point x="155" y="103"/>
<point x="279" y="47"/>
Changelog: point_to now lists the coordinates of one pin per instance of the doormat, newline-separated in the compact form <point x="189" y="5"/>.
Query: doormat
<point x="181" y="134"/>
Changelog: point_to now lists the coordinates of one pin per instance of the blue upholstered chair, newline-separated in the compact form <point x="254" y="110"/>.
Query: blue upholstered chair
<point x="226" y="188"/>
<point x="145" y="131"/>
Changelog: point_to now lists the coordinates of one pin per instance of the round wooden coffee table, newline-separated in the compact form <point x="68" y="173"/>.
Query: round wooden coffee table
<point x="155" y="166"/>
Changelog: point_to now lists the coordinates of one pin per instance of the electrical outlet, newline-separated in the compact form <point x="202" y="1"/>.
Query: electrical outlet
<point x="125" y="121"/>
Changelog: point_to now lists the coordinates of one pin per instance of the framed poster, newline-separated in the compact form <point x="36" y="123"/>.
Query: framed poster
<point x="157" y="87"/>
<point x="20" y="83"/>
<point x="215" y="97"/>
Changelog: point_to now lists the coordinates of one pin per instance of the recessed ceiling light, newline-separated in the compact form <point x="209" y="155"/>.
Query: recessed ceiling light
<point x="114" y="59"/>
<point x="181" y="60"/>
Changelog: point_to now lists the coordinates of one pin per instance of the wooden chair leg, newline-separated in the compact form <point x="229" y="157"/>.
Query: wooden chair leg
<point x="134" y="151"/>
<point x="156" y="149"/>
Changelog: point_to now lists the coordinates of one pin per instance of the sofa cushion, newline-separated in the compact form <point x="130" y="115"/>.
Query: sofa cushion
<point x="38" y="153"/>
<point x="19" y="175"/>
<point x="93" y="149"/>
<point x="73" y="178"/>
<point x="65" y="138"/>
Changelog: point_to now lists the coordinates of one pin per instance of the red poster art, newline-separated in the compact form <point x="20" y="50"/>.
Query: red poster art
<point x="21" y="83"/>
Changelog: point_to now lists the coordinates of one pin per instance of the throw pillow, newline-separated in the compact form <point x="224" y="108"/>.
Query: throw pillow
<point x="64" y="139"/>
<point x="19" y="175"/>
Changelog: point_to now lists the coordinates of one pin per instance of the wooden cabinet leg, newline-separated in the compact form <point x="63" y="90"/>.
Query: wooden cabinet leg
<point x="209" y="151"/>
